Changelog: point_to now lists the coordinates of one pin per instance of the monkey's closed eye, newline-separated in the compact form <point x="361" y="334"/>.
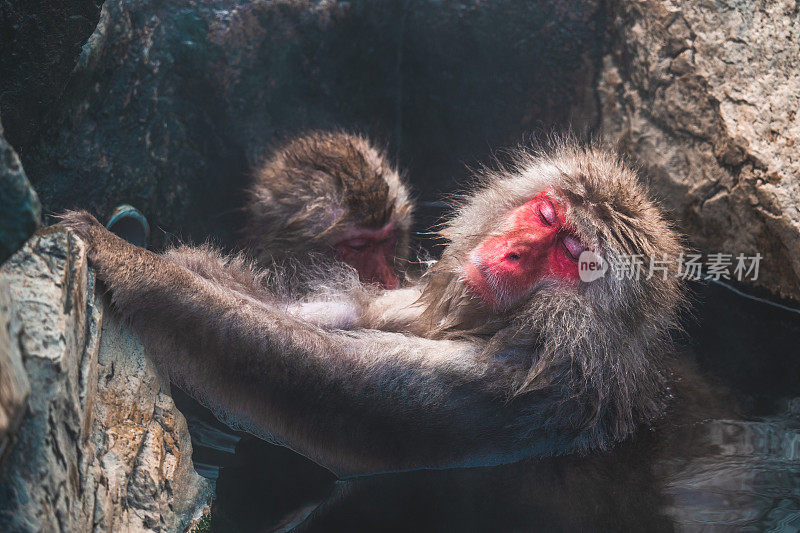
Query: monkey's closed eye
<point x="573" y="247"/>
<point x="356" y="244"/>
<point x="548" y="213"/>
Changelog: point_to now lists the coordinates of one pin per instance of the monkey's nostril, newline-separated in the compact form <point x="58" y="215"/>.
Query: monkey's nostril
<point x="513" y="257"/>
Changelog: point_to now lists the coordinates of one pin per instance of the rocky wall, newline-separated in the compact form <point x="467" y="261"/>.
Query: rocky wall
<point x="100" y="445"/>
<point x="706" y="95"/>
<point x="20" y="212"/>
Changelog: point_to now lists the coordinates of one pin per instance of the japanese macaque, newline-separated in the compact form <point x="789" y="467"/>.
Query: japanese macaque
<point x="330" y="193"/>
<point x="499" y="352"/>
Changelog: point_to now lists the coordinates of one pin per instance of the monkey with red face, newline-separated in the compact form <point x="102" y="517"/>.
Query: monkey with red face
<point x="500" y="352"/>
<point x="332" y="194"/>
<point x="321" y="196"/>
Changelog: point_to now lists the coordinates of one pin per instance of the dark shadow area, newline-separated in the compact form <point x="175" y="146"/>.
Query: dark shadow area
<point x="751" y="345"/>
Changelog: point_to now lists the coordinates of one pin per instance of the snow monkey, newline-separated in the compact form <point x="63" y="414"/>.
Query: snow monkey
<point x="499" y="352"/>
<point x="330" y="193"/>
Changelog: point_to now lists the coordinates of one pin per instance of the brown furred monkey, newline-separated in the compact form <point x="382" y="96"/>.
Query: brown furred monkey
<point x="331" y="193"/>
<point x="499" y="353"/>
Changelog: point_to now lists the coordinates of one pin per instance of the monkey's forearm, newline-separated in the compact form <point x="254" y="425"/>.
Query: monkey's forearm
<point x="354" y="402"/>
<point x="248" y="281"/>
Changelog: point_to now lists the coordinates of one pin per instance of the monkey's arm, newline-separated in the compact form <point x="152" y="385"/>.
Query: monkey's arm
<point x="355" y="402"/>
<point x="243" y="278"/>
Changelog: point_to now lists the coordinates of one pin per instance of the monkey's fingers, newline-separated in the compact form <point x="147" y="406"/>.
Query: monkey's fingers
<point x="80" y="222"/>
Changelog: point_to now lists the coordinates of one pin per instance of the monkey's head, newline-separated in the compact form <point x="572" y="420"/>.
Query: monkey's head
<point x="335" y="194"/>
<point x="512" y="275"/>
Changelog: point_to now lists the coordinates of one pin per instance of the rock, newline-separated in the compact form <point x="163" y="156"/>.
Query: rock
<point x="14" y="385"/>
<point x="19" y="217"/>
<point x="706" y="96"/>
<point x="41" y="42"/>
<point x="20" y="212"/>
<point x="101" y="446"/>
<point x="170" y="104"/>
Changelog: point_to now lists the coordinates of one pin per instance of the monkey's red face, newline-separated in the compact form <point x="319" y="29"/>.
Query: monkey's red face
<point x="371" y="253"/>
<point x="539" y="245"/>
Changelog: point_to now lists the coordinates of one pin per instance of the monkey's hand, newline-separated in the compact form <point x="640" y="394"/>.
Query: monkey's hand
<point x="115" y="261"/>
<point x="100" y="243"/>
<point x="83" y="224"/>
<point x="133" y="271"/>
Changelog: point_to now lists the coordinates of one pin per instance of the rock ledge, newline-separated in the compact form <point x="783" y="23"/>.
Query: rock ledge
<point x="100" y="445"/>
